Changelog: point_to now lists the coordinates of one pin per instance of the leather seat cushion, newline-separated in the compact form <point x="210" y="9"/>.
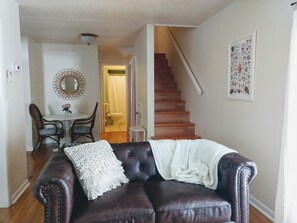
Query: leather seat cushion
<point x="127" y="203"/>
<point x="182" y="202"/>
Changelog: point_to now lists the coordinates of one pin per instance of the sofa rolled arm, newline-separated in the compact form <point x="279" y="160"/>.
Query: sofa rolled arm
<point x="235" y="174"/>
<point x="54" y="187"/>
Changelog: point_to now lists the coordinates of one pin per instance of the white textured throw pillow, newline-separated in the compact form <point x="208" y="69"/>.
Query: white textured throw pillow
<point x="97" y="167"/>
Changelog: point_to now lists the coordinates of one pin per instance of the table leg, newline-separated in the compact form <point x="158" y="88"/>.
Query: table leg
<point x="67" y="138"/>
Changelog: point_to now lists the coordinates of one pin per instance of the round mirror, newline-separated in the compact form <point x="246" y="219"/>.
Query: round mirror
<point x="69" y="84"/>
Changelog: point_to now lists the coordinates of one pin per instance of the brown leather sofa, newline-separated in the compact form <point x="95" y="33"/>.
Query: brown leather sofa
<point x="147" y="198"/>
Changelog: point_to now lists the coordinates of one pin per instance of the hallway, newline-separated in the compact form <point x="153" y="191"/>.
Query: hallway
<point x="116" y="128"/>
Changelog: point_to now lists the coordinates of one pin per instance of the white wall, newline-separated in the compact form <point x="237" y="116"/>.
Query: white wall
<point x="13" y="169"/>
<point x="4" y="185"/>
<point x="83" y="58"/>
<point x="27" y="93"/>
<point x="31" y="73"/>
<point x="112" y="57"/>
<point x="144" y="53"/>
<point x="252" y="128"/>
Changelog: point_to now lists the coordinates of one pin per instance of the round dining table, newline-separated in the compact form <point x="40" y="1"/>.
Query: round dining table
<point x="67" y="122"/>
<point x="63" y="117"/>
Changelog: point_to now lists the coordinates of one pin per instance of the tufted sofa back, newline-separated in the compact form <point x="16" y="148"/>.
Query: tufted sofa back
<point x="137" y="160"/>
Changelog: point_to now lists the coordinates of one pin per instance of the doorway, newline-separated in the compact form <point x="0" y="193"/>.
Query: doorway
<point x="114" y="98"/>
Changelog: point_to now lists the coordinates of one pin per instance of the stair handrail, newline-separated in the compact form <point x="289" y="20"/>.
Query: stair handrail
<point x="186" y="64"/>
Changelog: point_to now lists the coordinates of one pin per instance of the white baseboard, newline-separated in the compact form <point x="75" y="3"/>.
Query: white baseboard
<point x="262" y="208"/>
<point x="29" y="148"/>
<point x="20" y="191"/>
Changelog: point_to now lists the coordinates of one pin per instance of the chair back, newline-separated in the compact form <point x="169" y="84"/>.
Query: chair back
<point x="36" y="116"/>
<point x="93" y="116"/>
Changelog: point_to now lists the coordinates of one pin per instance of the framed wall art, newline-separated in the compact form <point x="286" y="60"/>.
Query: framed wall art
<point x="241" y="68"/>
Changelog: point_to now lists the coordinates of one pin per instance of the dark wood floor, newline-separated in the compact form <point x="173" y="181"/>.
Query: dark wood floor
<point x="28" y="210"/>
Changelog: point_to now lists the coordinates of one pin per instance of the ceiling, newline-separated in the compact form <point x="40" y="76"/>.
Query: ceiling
<point x="116" y="22"/>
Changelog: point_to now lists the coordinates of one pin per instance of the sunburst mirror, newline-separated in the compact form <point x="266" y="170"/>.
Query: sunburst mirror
<point x="69" y="84"/>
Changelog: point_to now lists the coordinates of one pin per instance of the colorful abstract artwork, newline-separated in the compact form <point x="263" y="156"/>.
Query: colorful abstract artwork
<point x="241" y="68"/>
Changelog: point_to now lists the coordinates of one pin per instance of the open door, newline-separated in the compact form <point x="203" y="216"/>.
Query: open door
<point x="114" y="101"/>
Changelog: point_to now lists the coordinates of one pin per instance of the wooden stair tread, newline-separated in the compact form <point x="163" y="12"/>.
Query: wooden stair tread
<point x="174" y="124"/>
<point x="162" y="77"/>
<point x="172" y="112"/>
<point x="163" y="71"/>
<point x="169" y="105"/>
<point x="165" y="86"/>
<point x="166" y="82"/>
<point x="168" y="100"/>
<point x="164" y="74"/>
<point x="167" y="91"/>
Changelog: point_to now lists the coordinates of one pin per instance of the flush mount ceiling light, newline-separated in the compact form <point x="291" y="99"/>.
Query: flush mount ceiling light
<point x="88" y="38"/>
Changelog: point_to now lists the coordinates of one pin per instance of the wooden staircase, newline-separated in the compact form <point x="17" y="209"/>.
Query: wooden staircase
<point x="172" y="121"/>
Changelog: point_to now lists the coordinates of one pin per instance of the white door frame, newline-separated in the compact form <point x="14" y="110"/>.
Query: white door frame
<point x="132" y="91"/>
<point x="101" y="77"/>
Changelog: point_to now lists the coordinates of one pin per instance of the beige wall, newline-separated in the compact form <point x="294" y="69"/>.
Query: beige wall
<point x="252" y="128"/>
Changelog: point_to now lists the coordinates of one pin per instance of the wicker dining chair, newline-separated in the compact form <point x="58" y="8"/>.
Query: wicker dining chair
<point x="84" y="127"/>
<point x="45" y="129"/>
